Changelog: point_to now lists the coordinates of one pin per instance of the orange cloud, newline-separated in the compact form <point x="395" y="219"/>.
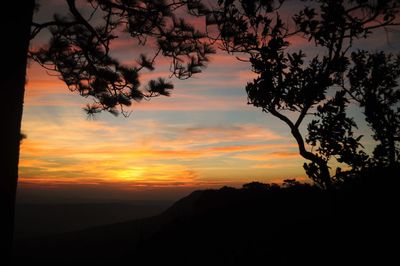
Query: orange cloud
<point x="104" y="173"/>
<point x="268" y="156"/>
<point x="275" y="165"/>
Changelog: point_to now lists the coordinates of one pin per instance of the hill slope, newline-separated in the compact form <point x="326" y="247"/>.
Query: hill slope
<point x="255" y="225"/>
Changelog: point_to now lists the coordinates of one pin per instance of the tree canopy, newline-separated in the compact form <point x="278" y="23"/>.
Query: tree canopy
<point x="292" y="85"/>
<point x="80" y="49"/>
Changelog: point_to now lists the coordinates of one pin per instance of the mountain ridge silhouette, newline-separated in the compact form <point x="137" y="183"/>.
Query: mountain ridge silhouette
<point x="258" y="224"/>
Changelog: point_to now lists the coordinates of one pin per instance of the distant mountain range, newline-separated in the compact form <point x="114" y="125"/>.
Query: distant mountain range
<point x="35" y="220"/>
<point x="256" y="225"/>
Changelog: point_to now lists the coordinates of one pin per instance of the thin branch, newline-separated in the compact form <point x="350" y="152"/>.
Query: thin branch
<point x="350" y="93"/>
<point x="301" y="117"/>
<point x="40" y="26"/>
<point x="83" y="21"/>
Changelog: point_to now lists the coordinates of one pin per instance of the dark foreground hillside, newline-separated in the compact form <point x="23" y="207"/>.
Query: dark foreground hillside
<point x="256" y="225"/>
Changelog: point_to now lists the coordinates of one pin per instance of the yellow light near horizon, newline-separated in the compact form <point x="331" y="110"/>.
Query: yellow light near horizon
<point x="130" y="174"/>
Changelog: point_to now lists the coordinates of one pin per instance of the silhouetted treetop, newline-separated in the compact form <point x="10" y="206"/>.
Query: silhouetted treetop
<point x="80" y="49"/>
<point x="292" y="85"/>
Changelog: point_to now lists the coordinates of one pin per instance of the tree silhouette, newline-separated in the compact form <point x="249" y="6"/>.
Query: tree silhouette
<point x="373" y="85"/>
<point x="79" y="50"/>
<point x="292" y="86"/>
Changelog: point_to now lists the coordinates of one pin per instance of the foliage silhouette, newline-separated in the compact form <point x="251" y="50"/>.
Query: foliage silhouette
<point x="79" y="51"/>
<point x="292" y="86"/>
<point x="374" y="86"/>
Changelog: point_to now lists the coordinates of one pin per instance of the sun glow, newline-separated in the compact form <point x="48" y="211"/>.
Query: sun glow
<point x="130" y="174"/>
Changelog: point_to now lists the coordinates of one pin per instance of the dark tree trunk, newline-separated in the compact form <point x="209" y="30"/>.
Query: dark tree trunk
<point x="15" y="43"/>
<point x="392" y="151"/>
<point x="325" y="179"/>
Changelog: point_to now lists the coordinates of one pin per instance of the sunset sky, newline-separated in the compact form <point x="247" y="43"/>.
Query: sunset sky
<point x="204" y="135"/>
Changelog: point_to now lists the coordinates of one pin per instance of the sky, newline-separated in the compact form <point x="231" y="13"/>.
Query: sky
<point x="203" y="136"/>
